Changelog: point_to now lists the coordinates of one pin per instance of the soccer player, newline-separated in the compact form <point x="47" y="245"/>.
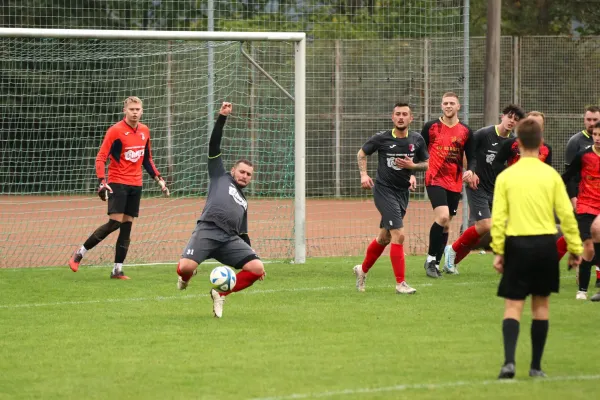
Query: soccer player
<point x="509" y="152"/>
<point x="399" y="152"/>
<point x="586" y="167"/>
<point x="526" y="197"/>
<point x="448" y="140"/>
<point x="488" y="141"/>
<point x="127" y="147"/>
<point x="577" y="143"/>
<point x="222" y="230"/>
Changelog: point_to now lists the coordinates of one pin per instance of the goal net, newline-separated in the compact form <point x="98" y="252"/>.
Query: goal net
<point x="60" y="94"/>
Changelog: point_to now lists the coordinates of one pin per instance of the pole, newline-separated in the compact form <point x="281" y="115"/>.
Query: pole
<point x="466" y="94"/>
<point x="338" y="117"/>
<point x="491" y="98"/>
<point x="210" y="96"/>
<point x="300" y="153"/>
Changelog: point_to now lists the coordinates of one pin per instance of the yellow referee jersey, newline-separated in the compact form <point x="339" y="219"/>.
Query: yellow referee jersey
<point x="526" y="196"/>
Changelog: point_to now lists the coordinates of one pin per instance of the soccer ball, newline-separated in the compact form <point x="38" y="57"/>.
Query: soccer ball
<point x="222" y="278"/>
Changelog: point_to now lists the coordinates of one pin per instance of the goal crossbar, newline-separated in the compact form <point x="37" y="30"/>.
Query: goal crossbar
<point x="299" y="39"/>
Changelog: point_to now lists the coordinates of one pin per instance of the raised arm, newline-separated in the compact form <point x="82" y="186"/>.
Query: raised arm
<point x="215" y="162"/>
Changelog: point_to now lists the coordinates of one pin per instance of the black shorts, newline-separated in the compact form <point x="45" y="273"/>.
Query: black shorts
<point x="125" y="199"/>
<point x="585" y="221"/>
<point x="391" y="204"/>
<point x="530" y="267"/>
<point x="231" y="250"/>
<point x="480" y="204"/>
<point x="438" y="196"/>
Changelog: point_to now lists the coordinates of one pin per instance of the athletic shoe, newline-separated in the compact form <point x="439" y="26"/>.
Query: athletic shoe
<point x="181" y="284"/>
<point x="218" y="301"/>
<point x="581" y="295"/>
<point x="438" y="271"/>
<point x="74" y="261"/>
<point x="361" y="278"/>
<point x="119" y="275"/>
<point x="507" y="371"/>
<point x="431" y="270"/>
<point x="537" y="373"/>
<point x="595" y="297"/>
<point x="449" y="257"/>
<point x="403" y="288"/>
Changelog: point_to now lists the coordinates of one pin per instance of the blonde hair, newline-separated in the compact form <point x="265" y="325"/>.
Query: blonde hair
<point x="536" y="114"/>
<point x="450" y="94"/>
<point x="131" y="99"/>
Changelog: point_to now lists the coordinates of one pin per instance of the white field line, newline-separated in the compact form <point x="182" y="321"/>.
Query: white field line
<point x="427" y="386"/>
<point x="195" y="296"/>
<point x="174" y="265"/>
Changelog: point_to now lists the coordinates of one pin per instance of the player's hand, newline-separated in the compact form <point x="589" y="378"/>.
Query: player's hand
<point x="574" y="261"/>
<point x="413" y="183"/>
<point x="473" y="182"/>
<point x="467" y="176"/>
<point x="366" y="182"/>
<point x="163" y="187"/>
<point x="104" y="190"/>
<point x="499" y="263"/>
<point x="405" y="162"/>
<point x="226" y="108"/>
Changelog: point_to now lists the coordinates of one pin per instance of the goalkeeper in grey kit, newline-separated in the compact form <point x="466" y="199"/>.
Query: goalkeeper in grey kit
<point x="222" y="230"/>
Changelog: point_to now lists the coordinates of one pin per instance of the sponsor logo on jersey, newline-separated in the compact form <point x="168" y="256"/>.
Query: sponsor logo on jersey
<point x="494" y="144"/>
<point x="392" y="146"/>
<point x="134" y="155"/>
<point x="233" y="192"/>
<point x="490" y="158"/>
<point x="143" y="137"/>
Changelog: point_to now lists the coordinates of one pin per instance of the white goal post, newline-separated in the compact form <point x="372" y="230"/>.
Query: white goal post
<point x="299" y="93"/>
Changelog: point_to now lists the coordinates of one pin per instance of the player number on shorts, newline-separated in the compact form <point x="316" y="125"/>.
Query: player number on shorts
<point x="190" y="252"/>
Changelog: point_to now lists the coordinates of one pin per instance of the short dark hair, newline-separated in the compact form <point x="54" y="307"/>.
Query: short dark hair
<point x="596" y="125"/>
<point x="243" y="161"/>
<point x="450" y="94"/>
<point x="529" y="133"/>
<point x="515" y="110"/>
<point x="400" y="104"/>
<point x="593" y="109"/>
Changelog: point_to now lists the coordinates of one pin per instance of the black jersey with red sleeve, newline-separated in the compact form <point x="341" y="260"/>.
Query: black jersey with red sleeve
<point x="509" y="154"/>
<point x="586" y="168"/>
<point x="447" y="146"/>
<point x="128" y="149"/>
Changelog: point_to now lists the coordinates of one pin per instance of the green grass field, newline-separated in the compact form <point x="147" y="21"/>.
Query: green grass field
<point x="302" y="333"/>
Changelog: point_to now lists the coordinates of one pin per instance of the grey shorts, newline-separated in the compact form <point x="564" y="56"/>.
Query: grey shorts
<point x="391" y="204"/>
<point x="228" y="250"/>
<point x="480" y="203"/>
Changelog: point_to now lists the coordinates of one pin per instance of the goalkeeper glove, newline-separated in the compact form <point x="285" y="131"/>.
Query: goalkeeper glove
<point x="103" y="190"/>
<point x="163" y="186"/>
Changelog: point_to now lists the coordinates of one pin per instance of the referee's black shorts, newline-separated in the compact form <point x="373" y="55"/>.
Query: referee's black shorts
<point x="530" y="267"/>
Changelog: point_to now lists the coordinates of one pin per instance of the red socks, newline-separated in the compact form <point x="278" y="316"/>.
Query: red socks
<point x="244" y="279"/>
<point x="561" y="247"/>
<point x="373" y="253"/>
<point x="398" y="263"/>
<point x="465" y="243"/>
<point x="184" y="275"/>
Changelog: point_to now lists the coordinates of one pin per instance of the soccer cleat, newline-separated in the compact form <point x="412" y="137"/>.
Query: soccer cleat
<point x="431" y="270"/>
<point x="361" y="278"/>
<point x="74" y="261"/>
<point x="507" y="371"/>
<point x="595" y="297"/>
<point x="218" y="301"/>
<point x="403" y="288"/>
<point x="537" y="373"/>
<point x="581" y="295"/>
<point x="449" y="257"/>
<point x="119" y="275"/>
<point x="181" y="284"/>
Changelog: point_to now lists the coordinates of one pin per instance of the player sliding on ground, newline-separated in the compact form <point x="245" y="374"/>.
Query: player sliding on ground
<point x="399" y="153"/>
<point x="480" y="193"/>
<point x="222" y="230"/>
<point x="127" y="146"/>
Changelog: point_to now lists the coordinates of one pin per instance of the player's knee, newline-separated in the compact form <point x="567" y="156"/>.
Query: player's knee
<point x="185" y="264"/>
<point x="588" y="249"/>
<point x="443" y="219"/>
<point x="397" y="236"/>
<point x="384" y="237"/>
<point x="255" y="266"/>
<point x="106" y="229"/>
<point x="483" y="226"/>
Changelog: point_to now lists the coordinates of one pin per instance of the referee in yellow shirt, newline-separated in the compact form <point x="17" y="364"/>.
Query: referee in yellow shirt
<point x="526" y="196"/>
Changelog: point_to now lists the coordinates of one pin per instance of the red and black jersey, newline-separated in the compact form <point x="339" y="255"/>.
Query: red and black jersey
<point x="128" y="149"/>
<point x="585" y="167"/>
<point x="447" y="145"/>
<point x="509" y="154"/>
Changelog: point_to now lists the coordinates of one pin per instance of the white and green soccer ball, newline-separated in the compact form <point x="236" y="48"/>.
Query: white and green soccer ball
<point x="222" y="278"/>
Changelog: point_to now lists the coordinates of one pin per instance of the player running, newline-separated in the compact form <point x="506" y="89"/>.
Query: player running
<point x="448" y="140"/>
<point x="222" y="230"/>
<point x="488" y="141"/>
<point x="127" y="147"/>
<point x="399" y="153"/>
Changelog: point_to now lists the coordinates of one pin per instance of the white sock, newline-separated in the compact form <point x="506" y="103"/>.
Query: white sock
<point x="118" y="267"/>
<point x="430" y="258"/>
<point x="82" y="250"/>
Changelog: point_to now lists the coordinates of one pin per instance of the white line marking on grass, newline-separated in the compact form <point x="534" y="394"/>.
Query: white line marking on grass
<point x="429" y="386"/>
<point x="165" y="264"/>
